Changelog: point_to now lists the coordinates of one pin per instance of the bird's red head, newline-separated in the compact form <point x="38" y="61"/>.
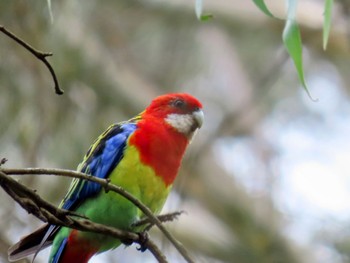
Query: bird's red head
<point x="164" y="131"/>
<point x="181" y="111"/>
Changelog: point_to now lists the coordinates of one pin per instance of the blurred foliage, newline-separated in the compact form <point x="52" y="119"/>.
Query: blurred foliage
<point x="112" y="58"/>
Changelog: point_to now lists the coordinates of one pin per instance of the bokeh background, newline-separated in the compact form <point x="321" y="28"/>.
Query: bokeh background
<point x="267" y="177"/>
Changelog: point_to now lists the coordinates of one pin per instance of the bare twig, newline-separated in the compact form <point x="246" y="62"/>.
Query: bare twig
<point x="163" y="218"/>
<point x="108" y="187"/>
<point x="38" y="54"/>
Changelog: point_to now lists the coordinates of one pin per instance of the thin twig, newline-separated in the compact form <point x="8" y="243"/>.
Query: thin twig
<point x="38" y="54"/>
<point x="37" y="206"/>
<point x="108" y="187"/>
<point x="163" y="218"/>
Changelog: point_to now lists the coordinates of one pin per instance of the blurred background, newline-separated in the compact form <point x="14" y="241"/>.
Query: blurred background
<point x="265" y="180"/>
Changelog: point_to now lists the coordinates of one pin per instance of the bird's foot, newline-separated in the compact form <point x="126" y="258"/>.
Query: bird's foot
<point x="143" y="239"/>
<point x="127" y="242"/>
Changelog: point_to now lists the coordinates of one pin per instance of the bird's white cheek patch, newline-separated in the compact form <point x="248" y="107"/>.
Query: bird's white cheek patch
<point x="181" y="122"/>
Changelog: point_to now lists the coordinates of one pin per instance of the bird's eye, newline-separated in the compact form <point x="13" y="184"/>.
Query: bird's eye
<point x="179" y="103"/>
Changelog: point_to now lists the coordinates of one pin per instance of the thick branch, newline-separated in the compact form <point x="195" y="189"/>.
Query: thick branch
<point x="108" y="187"/>
<point x="38" y="54"/>
<point x="46" y="212"/>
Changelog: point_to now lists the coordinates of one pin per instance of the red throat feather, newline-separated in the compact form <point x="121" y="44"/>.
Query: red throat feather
<point x="160" y="147"/>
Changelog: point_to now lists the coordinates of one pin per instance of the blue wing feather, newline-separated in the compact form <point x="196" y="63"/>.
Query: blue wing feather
<point x="103" y="156"/>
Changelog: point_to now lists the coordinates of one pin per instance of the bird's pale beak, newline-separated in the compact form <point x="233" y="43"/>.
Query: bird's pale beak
<point x="198" y="116"/>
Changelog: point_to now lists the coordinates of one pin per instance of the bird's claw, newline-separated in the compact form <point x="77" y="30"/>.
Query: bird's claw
<point x="143" y="239"/>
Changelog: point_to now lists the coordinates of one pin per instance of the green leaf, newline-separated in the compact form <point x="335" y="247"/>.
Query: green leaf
<point x="199" y="11"/>
<point x="327" y="21"/>
<point x="262" y="6"/>
<point x="292" y="42"/>
<point x="206" y="17"/>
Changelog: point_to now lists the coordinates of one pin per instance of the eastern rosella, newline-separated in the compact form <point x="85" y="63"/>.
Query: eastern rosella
<point x="142" y="155"/>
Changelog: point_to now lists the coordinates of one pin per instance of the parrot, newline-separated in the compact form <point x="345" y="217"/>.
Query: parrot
<point x="143" y="156"/>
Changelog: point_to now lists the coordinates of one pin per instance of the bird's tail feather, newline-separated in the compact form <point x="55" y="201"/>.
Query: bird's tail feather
<point x="29" y="244"/>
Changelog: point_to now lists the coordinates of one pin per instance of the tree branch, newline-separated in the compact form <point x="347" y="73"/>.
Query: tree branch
<point x="108" y="187"/>
<point x="46" y="212"/>
<point x="38" y="54"/>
